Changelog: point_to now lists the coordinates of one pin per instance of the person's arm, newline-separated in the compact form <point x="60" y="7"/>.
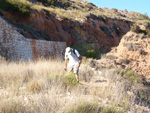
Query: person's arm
<point x="79" y="56"/>
<point x="66" y="61"/>
<point x="80" y="60"/>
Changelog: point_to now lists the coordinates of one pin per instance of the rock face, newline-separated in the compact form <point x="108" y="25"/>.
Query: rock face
<point x="100" y="31"/>
<point x="133" y="53"/>
<point x="136" y="48"/>
<point x="15" y="46"/>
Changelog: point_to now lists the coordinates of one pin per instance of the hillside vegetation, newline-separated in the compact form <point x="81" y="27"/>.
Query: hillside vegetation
<point x="71" y="9"/>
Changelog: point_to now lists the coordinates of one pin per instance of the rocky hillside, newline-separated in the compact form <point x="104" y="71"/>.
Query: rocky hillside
<point x="74" y="21"/>
<point x="112" y="84"/>
<point x="132" y="53"/>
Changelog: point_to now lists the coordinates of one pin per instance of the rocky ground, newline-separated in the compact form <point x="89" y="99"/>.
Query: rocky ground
<point x="111" y="88"/>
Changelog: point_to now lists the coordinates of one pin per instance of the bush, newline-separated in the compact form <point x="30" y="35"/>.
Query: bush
<point x="16" y="6"/>
<point x="48" y="2"/>
<point x="105" y="29"/>
<point x="70" y="80"/>
<point x="117" y="29"/>
<point x="87" y="50"/>
<point x="135" y="28"/>
<point x="146" y="32"/>
<point x="130" y="75"/>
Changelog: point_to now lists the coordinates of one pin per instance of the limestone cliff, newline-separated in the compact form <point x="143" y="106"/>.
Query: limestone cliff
<point x="94" y="29"/>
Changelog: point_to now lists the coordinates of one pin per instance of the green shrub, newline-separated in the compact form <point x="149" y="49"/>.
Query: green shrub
<point x="134" y="28"/>
<point x="48" y="2"/>
<point x="142" y="95"/>
<point x="130" y="75"/>
<point x="105" y="29"/>
<point x="117" y="29"/>
<point x="70" y="80"/>
<point x="16" y="6"/>
<point x="146" y="32"/>
<point x="87" y="50"/>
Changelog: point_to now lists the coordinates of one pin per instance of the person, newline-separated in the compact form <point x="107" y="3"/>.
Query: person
<point x="72" y="61"/>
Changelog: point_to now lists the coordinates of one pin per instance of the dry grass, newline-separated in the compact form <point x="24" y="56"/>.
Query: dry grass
<point x="38" y="86"/>
<point x="35" y="86"/>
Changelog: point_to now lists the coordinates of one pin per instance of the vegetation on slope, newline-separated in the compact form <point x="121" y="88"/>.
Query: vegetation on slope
<point x="71" y="9"/>
<point x="16" y="6"/>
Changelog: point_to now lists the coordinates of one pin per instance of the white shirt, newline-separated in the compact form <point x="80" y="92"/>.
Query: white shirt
<point x="73" y="58"/>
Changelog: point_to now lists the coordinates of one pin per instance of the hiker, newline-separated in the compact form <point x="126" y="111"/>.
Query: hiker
<point x="72" y="61"/>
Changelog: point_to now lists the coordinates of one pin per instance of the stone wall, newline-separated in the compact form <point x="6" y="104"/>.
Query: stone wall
<point x="15" y="46"/>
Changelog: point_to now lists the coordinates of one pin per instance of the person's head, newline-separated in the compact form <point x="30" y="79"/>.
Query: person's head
<point x="68" y="50"/>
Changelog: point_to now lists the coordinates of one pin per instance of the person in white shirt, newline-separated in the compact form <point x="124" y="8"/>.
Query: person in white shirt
<point x="72" y="61"/>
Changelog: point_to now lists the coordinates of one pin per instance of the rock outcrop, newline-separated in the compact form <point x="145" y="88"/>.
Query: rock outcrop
<point x="136" y="48"/>
<point x="100" y="31"/>
<point x="133" y="53"/>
